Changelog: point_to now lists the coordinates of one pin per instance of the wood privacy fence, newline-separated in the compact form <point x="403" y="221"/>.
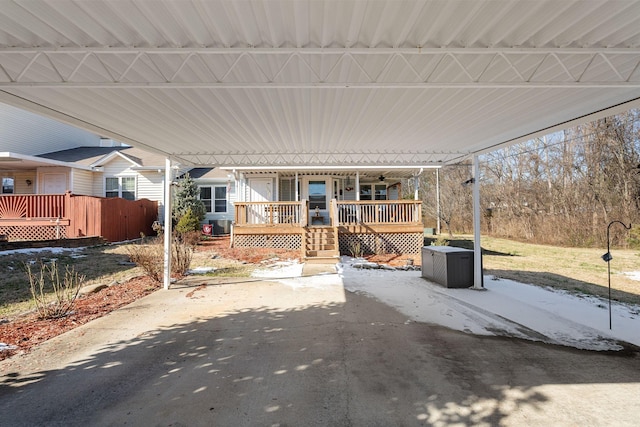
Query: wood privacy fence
<point x="59" y="216"/>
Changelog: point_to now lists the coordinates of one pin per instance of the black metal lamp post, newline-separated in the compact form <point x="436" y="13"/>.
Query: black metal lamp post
<point x="607" y="258"/>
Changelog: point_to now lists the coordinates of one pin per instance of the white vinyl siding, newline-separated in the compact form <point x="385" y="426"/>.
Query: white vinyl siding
<point x="28" y="133"/>
<point x="25" y="182"/>
<point x="82" y="182"/>
<point x="151" y="186"/>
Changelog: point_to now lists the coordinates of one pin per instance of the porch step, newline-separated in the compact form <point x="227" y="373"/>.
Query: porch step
<point x="320" y="248"/>
<point x="321" y="245"/>
<point x="322" y="260"/>
<point x="321" y="253"/>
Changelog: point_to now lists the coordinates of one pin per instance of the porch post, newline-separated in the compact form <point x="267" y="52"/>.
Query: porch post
<point x="438" y="201"/>
<point x="477" y="248"/>
<point x="296" y="184"/>
<point x="358" y="186"/>
<point x="167" y="223"/>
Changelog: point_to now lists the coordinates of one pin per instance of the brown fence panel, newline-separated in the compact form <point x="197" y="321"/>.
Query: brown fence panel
<point x="126" y="219"/>
<point x="85" y="217"/>
<point x="34" y="216"/>
<point x="114" y="219"/>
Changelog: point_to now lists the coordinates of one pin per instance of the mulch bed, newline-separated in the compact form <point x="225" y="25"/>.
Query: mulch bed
<point x="28" y="331"/>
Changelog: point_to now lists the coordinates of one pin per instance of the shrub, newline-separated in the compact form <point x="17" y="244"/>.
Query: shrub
<point x="355" y="249"/>
<point x="190" y="238"/>
<point x="440" y="241"/>
<point x="634" y="237"/>
<point x="181" y="256"/>
<point x="150" y="258"/>
<point x="64" y="291"/>
<point x="188" y="222"/>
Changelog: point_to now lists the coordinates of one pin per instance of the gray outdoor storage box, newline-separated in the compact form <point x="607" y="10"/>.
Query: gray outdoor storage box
<point x="448" y="266"/>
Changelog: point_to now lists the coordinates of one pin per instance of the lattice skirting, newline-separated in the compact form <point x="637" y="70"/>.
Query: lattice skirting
<point x="382" y="243"/>
<point x="27" y="232"/>
<point x="278" y="241"/>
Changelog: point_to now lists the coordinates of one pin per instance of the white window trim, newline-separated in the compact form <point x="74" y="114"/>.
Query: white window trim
<point x="135" y="185"/>
<point x="213" y="197"/>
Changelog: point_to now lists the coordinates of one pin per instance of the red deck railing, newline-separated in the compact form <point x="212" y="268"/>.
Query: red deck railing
<point x="53" y="216"/>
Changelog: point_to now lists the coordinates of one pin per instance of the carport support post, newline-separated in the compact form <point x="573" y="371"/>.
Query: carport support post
<point x="167" y="223"/>
<point x="477" y="249"/>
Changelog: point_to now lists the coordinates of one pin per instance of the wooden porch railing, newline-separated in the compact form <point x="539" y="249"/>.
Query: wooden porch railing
<point x="376" y="212"/>
<point x="270" y="213"/>
<point x="33" y="206"/>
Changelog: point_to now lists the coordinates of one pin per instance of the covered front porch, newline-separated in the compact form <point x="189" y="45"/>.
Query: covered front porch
<point x="351" y="227"/>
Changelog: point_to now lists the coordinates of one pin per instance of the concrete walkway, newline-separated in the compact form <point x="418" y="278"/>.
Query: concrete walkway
<point x="246" y="352"/>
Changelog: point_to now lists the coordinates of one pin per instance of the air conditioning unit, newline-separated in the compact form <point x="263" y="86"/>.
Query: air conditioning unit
<point x="221" y="226"/>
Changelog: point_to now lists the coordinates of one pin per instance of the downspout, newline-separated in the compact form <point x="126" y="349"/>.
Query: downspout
<point x="167" y="223"/>
<point x="477" y="248"/>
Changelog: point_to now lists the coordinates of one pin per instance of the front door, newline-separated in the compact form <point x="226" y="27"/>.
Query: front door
<point x="318" y="191"/>
<point x="54" y="183"/>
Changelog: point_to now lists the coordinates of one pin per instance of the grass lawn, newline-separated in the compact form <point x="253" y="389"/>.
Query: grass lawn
<point x="575" y="269"/>
<point x="100" y="265"/>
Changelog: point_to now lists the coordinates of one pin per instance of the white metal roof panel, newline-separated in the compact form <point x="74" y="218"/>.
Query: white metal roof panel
<point x="320" y="82"/>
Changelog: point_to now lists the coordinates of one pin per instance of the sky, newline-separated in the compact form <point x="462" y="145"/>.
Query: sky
<point x="505" y="308"/>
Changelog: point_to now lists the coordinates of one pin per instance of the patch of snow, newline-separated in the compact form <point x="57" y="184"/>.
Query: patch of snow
<point x="5" y="347"/>
<point x="633" y="275"/>
<point x="38" y="250"/>
<point x="201" y="270"/>
<point x="280" y="269"/>
<point x="319" y="281"/>
<point x="506" y="308"/>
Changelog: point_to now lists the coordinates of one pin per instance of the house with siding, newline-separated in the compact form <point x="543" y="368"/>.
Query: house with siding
<point x="320" y="212"/>
<point x="110" y="170"/>
<point x="325" y="213"/>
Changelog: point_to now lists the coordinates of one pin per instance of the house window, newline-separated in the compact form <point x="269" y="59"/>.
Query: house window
<point x="214" y="198"/>
<point x="122" y="186"/>
<point x="7" y="185"/>
<point x="379" y="192"/>
<point x="365" y="191"/>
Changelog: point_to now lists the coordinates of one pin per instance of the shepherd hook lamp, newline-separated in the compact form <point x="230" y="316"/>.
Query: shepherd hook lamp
<point x="607" y="258"/>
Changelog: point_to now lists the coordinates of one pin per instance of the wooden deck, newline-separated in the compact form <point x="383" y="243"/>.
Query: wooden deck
<point x="58" y="216"/>
<point x="390" y="226"/>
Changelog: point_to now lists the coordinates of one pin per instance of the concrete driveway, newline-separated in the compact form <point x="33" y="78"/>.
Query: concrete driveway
<point x="258" y="353"/>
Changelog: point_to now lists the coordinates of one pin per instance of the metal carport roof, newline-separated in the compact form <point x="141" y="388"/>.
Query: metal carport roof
<point x="287" y="83"/>
<point x="326" y="83"/>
